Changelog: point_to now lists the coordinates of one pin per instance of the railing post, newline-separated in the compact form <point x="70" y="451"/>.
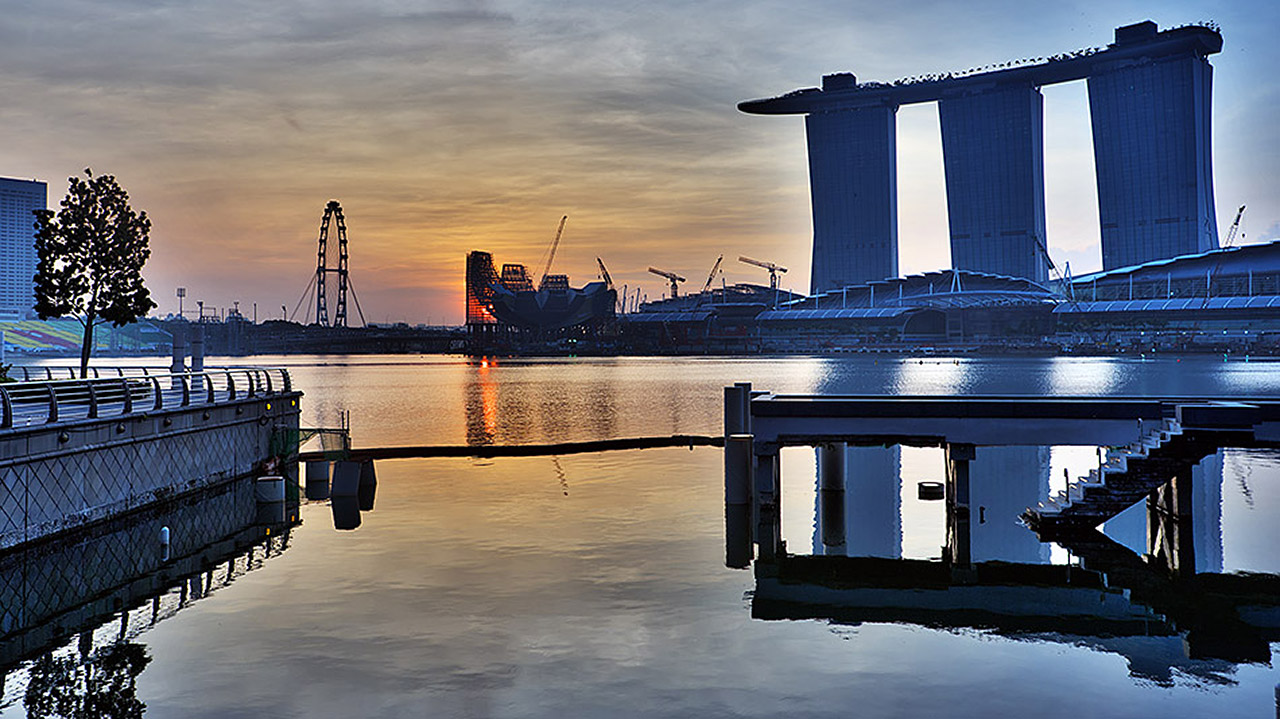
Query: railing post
<point x="231" y="387"/>
<point x="128" y="395"/>
<point x="93" y="399"/>
<point x="209" y="399"/>
<point x="155" y="384"/>
<point x="266" y="374"/>
<point x="6" y="420"/>
<point x="288" y="385"/>
<point x="53" y="403"/>
<point x="186" y="390"/>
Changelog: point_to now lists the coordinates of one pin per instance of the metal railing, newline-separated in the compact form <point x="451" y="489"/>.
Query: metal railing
<point x="61" y="400"/>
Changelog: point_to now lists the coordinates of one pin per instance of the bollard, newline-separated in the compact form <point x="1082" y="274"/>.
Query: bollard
<point x="368" y="485"/>
<point x="346" y="479"/>
<point x="317" y="479"/>
<point x="738" y="465"/>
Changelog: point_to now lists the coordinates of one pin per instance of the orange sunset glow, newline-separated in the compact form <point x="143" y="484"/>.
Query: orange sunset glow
<point x="444" y="127"/>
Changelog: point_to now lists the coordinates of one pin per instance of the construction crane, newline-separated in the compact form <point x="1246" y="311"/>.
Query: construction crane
<point x="1217" y="265"/>
<point x="1235" y="226"/>
<point x="604" y="274"/>
<point x="773" y="269"/>
<point x="712" y="275"/>
<point x="551" y="254"/>
<point x="673" y="277"/>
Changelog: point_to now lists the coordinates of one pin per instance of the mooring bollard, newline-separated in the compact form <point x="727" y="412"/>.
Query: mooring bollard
<point x="317" y="479"/>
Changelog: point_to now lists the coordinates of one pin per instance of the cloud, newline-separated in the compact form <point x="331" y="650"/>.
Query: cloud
<point x="449" y="126"/>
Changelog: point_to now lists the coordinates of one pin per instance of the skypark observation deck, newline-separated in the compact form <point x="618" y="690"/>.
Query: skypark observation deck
<point x="1149" y="97"/>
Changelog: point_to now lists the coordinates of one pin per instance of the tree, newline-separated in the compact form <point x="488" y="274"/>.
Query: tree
<point x="90" y="258"/>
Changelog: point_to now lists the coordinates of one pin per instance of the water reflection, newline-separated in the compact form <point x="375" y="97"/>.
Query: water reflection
<point x="70" y="611"/>
<point x="1162" y="601"/>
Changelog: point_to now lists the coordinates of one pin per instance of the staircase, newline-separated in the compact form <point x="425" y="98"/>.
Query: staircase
<point x="1127" y="475"/>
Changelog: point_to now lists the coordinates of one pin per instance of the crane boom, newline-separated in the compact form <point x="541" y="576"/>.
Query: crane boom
<point x="712" y="275"/>
<point x="551" y="254"/>
<point x="773" y="269"/>
<point x="673" y="277"/>
<point x="604" y="274"/>
<point x="1235" y="226"/>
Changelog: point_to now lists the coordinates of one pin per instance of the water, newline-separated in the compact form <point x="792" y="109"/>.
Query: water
<point x="594" y="585"/>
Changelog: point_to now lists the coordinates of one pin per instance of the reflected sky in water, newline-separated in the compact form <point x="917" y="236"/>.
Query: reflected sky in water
<point x="594" y="585"/>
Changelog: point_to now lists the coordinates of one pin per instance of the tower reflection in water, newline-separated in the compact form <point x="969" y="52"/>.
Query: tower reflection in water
<point x="1150" y="588"/>
<point x="70" y="612"/>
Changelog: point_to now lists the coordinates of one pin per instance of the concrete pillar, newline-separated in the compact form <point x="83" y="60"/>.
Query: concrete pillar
<point x="179" y="331"/>
<point x="745" y="397"/>
<point x="368" y="485"/>
<point x="197" y="347"/>
<point x="737" y="536"/>
<point x="346" y="479"/>
<point x="768" y="511"/>
<point x="734" y="420"/>
<point x="958" y="457"/>
<point x="317" y="480"/>
<point x="832" y="466"/>
<point x="738" y="467"/>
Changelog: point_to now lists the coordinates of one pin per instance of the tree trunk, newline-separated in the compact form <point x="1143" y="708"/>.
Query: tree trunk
<point x="86" y="346"/>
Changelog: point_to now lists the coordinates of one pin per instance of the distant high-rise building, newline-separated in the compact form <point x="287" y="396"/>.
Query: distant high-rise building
<point x="853" y="180"/>
<point x="18" y="199"/>
<point x="993" y="150"/>
<point x="1153" y="151"/>
<point x="1149" y="98"/>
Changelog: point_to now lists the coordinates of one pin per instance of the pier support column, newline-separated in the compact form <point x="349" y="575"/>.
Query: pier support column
<point x="767" y="501"/>
<point x="958" y="458"/>
<point x="832" y="472"/>
<point x="739" y="463"/>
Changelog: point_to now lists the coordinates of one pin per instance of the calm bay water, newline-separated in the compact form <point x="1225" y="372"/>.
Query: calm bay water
<point x="594" y="585"/>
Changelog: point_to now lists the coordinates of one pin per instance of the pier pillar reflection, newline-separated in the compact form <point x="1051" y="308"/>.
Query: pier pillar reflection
<point x="958" y="457"/>
<point x="1170" y="525"/>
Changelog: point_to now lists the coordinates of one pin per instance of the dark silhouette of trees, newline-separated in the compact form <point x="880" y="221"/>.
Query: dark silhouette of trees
<point x="102" y="685"/>
<point x="90" y="257"/>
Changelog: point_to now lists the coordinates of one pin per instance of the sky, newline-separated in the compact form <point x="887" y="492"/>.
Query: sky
<point x="444" y="127"/>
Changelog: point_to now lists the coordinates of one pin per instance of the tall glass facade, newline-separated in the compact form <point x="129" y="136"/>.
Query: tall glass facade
<point x="993" y="151"/>
<point x="853" y="178"/>
<point x="1152" y="148"/>
<point x="18" y="198"/>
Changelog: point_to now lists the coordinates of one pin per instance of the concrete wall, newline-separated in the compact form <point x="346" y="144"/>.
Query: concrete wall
<point x="59" y="477"/>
